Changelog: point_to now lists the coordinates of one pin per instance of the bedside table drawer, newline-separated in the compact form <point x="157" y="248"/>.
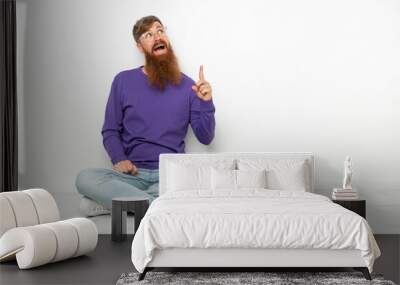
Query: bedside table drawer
<point x="357" y="206"/>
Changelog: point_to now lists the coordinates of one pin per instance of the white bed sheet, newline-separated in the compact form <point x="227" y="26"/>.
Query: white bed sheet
<point x="250" y="218"/>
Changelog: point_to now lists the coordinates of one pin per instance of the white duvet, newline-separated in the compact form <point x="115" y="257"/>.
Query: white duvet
<point x="250" y="218"/>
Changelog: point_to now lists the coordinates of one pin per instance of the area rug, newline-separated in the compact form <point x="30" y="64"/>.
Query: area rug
<point x="269" y="278"/>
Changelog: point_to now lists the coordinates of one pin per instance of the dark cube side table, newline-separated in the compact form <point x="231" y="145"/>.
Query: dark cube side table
<point x="120" y="207"/>
<point x="357" y="206"/>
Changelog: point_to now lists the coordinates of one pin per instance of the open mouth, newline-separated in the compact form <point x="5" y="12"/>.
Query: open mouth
<point x="159" y="47"/>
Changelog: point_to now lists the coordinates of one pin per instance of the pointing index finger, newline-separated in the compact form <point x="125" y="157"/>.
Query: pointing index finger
<point x="201" y="73"/>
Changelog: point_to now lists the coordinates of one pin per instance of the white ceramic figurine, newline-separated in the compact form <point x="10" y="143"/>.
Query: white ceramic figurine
<point x="348" y="172"/>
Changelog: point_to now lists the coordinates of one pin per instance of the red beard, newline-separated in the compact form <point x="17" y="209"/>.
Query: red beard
<point x="163" y="69"/>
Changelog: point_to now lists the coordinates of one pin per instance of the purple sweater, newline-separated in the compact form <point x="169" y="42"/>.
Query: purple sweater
<point x="142" y="121"/>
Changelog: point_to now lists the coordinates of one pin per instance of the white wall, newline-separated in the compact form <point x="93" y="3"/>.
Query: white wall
<point x="320" y="76"/>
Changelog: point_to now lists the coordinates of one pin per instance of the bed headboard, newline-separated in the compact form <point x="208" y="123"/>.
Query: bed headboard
<point x="165" y="158"/>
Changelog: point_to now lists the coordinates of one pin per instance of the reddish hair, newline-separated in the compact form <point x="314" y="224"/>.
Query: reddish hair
<point x="142" y="25"/>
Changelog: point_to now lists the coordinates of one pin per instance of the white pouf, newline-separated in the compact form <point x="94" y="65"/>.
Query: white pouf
<point x="31" y="233"/>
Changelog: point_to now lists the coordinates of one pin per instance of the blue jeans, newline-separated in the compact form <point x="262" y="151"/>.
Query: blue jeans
<point x="102" y="185"/>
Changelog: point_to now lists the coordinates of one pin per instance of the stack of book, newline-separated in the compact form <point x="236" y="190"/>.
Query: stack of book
<point x="344" y="194"/>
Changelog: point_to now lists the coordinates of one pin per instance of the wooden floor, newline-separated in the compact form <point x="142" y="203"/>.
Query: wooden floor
<point x="110" y="260"/>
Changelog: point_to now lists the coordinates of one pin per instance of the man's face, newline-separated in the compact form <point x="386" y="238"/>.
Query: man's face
<point x="154" y="41"/>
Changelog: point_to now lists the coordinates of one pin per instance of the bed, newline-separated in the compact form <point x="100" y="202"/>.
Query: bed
<point x="246" y="210"/>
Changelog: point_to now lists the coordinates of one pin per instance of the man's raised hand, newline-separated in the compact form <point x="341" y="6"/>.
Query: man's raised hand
<point x="202" y="87"/>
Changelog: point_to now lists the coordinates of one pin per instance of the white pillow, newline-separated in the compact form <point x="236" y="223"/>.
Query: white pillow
<point x="237" y="179"/>
<point x="223" y="179"/>
<point x="251" y="178"/>
<point x="282" y="174"/>
<point x="187" y="177"/>
<point x="190" y="174"/>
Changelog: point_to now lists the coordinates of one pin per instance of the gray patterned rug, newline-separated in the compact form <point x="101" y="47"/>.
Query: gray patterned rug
<point x="270" y="278"/>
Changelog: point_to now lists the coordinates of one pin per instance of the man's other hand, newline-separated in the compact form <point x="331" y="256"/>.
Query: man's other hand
<point x="125" y="166"/>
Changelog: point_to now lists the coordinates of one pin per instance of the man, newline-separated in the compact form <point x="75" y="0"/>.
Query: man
<point x="148" y="112"/>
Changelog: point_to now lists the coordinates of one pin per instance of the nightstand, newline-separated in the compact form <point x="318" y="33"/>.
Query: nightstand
<point x="120" y="207"/>
<point x="357" y="206"/>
